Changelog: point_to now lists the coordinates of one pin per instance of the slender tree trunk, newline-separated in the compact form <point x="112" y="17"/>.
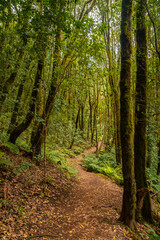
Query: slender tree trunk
<point x="76" y="126"/>
<point x="149" y="142"/>
<point x="104" y="134"/>
<point x="82" y="119"/>
<point x="158" y="169"/>
<point x="140" y="110"/>
<point x="94" y="123"/>
<point x="90" y="116"/>
<point x="13" y="122"/>
<point x="127" y="130"/>
<point x="38" y="139"/>
<point x="117" y="128"/>
<point x="31" y="111"/>
<point x="6" y="87"/>
<point x="39" y="113"/>
<point x="158" y="97"/>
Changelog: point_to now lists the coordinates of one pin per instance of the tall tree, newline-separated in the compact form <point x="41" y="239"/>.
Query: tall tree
<point x="126" y="124"/>
<point x="140" y="108"/>
<point x="106" y="13"/>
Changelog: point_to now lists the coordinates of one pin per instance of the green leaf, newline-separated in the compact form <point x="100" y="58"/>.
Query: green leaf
<point x="6" y="162"/>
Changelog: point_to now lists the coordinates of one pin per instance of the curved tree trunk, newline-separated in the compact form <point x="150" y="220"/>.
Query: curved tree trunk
<point x="127" y="132"/>
<point x="13" y="122"/>
<point x="25" y="124"/>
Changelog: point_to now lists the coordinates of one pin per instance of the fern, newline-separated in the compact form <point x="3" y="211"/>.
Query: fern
<point x="152" y="234"/>
<point x="59" y="158"/>
<point x="12" y="147"/>
<point x="104" y="164"/>
<point x="4" y="160"/>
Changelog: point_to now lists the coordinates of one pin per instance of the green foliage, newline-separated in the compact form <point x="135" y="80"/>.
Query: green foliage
<point x="78" y="150"/>
<point x="4" y="160"/>
<point x="23" y="145"/>
<point x="60" y="159"/>
<point x="152" y="234"/>
<point x="12" y="147"/>
<point x="20" y="168"/>
<point x="3" y="137"/>
<point x="152" y="172"/>
<point x="68" y="152"/>
<point x="153" y="178"/>
<point x="56" y="157"/>
<point x="104" y="164"/>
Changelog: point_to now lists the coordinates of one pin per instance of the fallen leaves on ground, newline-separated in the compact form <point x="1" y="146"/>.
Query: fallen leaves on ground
<point x="85" y="209"/>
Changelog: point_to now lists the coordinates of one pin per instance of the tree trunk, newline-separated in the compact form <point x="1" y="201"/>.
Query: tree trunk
<point x="31" y="111"/>
<point x="117" y="128"/>
<point x="112" y="83"/>
<point x="90" y="116"/>
<point x="149" y="142"/>
<point x="6" y="87"/>
<point x="140" y="110"/>
<point x="82" y="120"/>
<point x="94" y="123"/>
<point x="39" y="113"/>
<point x="126" y="123"/>
<point x="13" y="122"/>
<point x="158" y="169"/>
<point x="76" y="126"/>
<point x="48" y="105"/>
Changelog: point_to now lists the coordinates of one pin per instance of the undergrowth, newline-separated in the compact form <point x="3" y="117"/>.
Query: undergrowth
<point x="152" y="177"/>
<point x="104" y="164"/>
<point x="57" y="157"/>
<point x="152" y="234"/>
<point x="60" y="159"/>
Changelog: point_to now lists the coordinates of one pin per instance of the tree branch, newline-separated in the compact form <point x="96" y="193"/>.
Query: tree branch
<point x="155" y="33"/>
<point x="81" y="17"/>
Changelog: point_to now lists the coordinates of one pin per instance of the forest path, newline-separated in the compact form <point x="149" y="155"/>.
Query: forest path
<point x="86" y="209"/>
<point x="91" y="208"/>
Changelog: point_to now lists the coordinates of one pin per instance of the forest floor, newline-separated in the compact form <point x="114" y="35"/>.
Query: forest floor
<point x="85" y="208"/>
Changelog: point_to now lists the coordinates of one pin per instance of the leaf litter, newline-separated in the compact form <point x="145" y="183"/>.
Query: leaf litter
<point x="84" y="208"/>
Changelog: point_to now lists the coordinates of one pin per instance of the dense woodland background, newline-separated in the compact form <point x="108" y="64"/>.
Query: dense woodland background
<point x="61" y="74"/>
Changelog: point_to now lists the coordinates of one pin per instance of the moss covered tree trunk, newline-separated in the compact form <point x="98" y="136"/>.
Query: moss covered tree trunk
<point x="117" y="128"/>
<point x="48" y="105"/>
<point x="126" y="122"/>
<point x="31" y="110"/>
<point x="15" y="113"/>
<point x="140" y="109"/>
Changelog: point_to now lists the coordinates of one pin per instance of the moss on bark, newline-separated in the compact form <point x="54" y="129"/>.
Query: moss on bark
<point x="126" y="123"/>
<point x="140" y="109"/>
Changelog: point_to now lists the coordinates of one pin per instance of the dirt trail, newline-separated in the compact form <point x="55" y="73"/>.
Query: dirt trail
<point x="84" y="210"/>
<point x="92" y="208"/>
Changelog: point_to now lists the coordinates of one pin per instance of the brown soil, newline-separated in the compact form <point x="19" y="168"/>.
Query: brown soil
<point x="88" y="208"/>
